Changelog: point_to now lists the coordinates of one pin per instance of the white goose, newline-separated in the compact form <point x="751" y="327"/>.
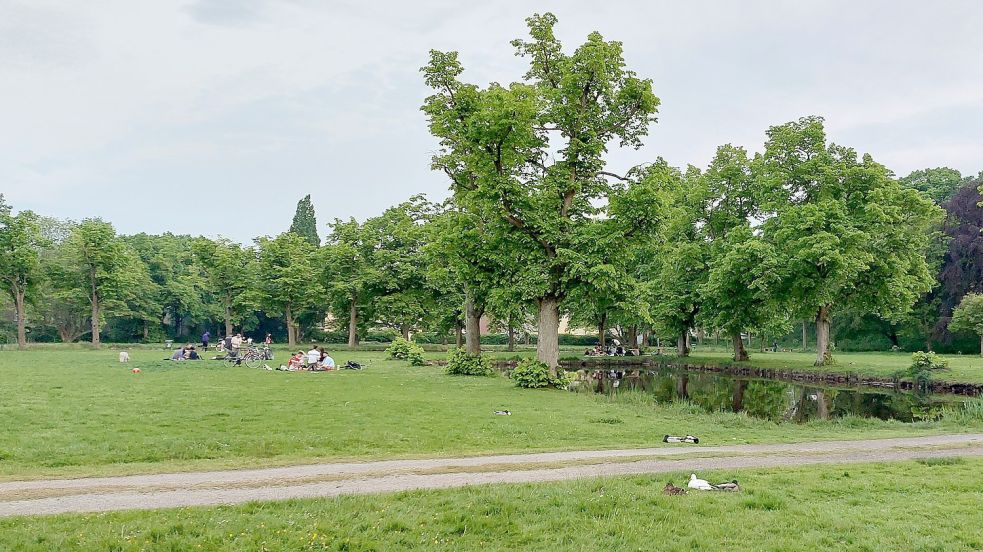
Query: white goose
<point x="700" y="484"/>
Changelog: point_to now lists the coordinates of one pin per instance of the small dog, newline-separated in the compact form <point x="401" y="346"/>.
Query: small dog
<point x="124" y="356"/>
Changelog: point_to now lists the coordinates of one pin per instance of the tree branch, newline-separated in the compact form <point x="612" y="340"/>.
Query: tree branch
<point x="521" y="225"/>
<point x="611" y="174"/>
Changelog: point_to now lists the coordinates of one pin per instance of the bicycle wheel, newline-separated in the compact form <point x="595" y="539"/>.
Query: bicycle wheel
<point x="252" y="360"/>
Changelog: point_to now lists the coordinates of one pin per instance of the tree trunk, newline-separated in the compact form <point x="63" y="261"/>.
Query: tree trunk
<point x="458" y="338"/>
<point x="95" y="320"/>
<point x="602" y="329"/>
<point x="291" y="331"/>
<point x="228" y="316"/>
<point x="823" y="357"/>
<point x="548" y="338"/>
<point x="404" y="330"/>
<point x="682" y="344"/>
<point x="805" y="340"/>
<point x="21" y="318"/>
<point x="146" y="330"/>
<point x="632" y="337"/>
<point x="511" y="339"/>
<point x="353" y="324"/>
<point x="740" y="353"/>
<point x="472" y="322"/>
<point x="981" y="345"/>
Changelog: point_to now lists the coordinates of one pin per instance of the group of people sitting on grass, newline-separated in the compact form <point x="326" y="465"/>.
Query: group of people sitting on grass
<point x="614" y="349"/>
<point x="188" y="352"/>
<point x="315" y="360"/>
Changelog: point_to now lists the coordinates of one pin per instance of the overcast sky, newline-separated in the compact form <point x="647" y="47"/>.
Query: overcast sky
<point x="215" y="116"/>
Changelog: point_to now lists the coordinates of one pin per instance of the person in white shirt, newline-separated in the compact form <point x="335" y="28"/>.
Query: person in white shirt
<point x="236" y="343"/>
<point x="313" y="356"/>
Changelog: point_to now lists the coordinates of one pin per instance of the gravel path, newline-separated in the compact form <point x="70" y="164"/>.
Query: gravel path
<point x="323" y="480"/>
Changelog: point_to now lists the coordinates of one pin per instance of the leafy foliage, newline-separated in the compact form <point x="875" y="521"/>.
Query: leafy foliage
<point x="287" y="277"/>
<point x="532" y="374"/>
<point x="968" y="315"/>
<point x="304" y="223"/>
<point x="20" y="261"/>
<point x="497" y="145"/>
<point x="923" y="365"/>
<point x="938" y="184"/>
<point x="849" y="234"/>
<point x="404" y="349"/>
<point x="460" y="363"/>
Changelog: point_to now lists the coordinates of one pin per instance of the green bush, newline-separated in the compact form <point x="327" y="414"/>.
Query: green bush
<point x="399" y="349"/>
<point x="532" y="374"/>
<point x="923" y="365"/>
<point x="415" y="356"/>
<point x="403" y="349"/>
<point x="461" y="363"/>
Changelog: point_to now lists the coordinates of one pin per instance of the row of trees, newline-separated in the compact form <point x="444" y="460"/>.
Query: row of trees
<point x="805" y="228"/>
<point x="537" y="229"/>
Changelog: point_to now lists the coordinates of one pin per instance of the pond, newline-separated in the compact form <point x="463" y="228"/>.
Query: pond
<point x="763" y="398"/>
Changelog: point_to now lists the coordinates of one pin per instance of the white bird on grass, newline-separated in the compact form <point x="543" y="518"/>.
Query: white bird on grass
<point x="700" y="484"/>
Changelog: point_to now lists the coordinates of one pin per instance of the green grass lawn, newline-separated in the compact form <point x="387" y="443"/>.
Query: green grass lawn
<point x="890" y="506"/>
<point x="79" y="412"/>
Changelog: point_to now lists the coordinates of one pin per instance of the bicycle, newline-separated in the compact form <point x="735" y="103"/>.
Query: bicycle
<point x="251" y="357"/>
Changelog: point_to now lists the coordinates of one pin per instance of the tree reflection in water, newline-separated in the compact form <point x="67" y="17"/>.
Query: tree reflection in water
<point x="768" y="399"/>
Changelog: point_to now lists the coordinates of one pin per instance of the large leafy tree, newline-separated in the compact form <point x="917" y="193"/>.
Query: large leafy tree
<point x="20" y="263"/>
<point x="230" y="271"/>
<point x="288" y="268"/>
<point x="962" y="262"/>
<point x="530" y="156"/>
<point x="349" y="273"/>
<point x="183" y="288"/>
<point x="401" y="232"/>
<point x="304" y="223"/>
<point x="463" y="268"/>
<point x="848" y="235"/>
<point x="739" y="292"/>
<point x="95" y="261"/>
<point x="681" y="259"/>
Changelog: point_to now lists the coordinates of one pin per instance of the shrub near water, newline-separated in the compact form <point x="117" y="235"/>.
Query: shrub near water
<point x="923" y="365"/>
<point x="461" y="363"/>
<point x="532" y="374"/>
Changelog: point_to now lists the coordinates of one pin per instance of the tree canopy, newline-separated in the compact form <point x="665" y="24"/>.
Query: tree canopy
<point x="498" y="144"/>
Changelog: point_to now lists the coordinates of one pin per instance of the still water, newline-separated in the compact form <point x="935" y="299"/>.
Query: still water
<point x="762" y="398"/>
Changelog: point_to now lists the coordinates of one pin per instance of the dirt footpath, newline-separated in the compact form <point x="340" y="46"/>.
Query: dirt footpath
<point x="324" y="480"/>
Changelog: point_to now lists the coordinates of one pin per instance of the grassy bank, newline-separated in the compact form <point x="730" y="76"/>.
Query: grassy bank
<point x="79" y="413"/>
<point x="890" y="506"/>
<point x="962" y="368"/>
